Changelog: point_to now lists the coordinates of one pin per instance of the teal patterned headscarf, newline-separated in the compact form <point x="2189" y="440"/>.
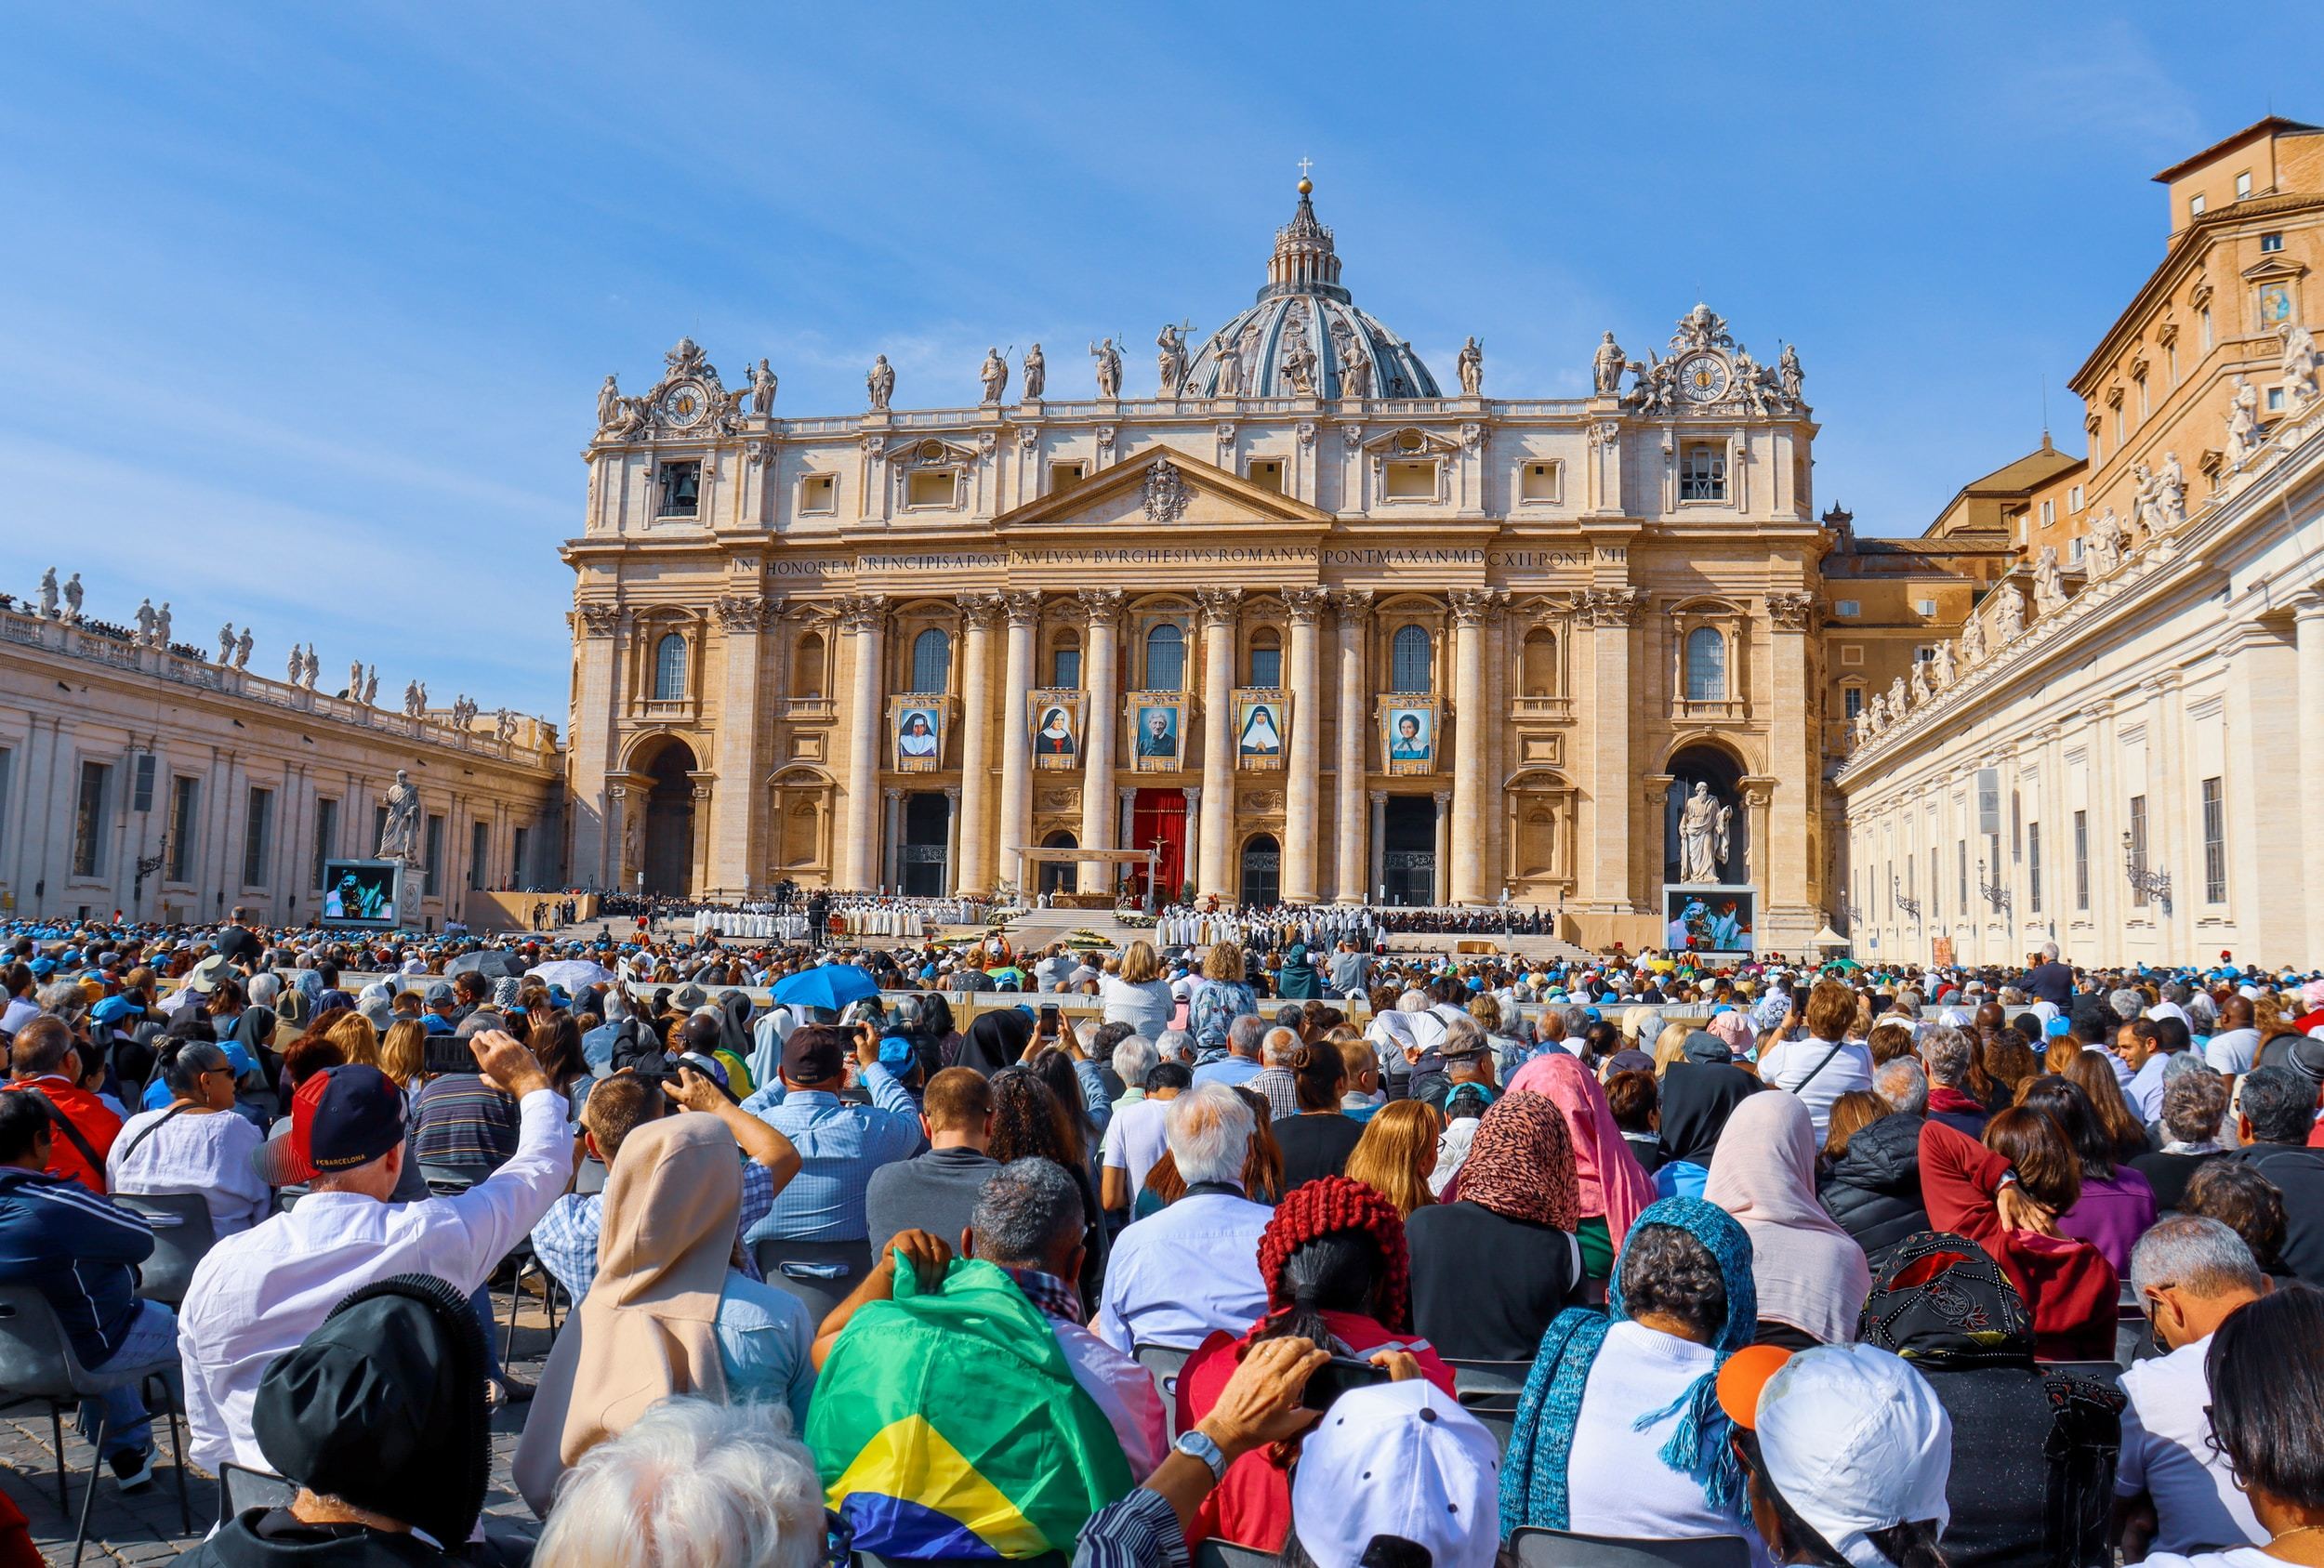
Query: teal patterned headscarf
<point x="1534" y="1469"/>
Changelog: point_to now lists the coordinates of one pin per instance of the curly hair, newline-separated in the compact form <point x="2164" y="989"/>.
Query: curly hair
<point x="1028" y="1121"/>
<point x="1667" y="1271"/>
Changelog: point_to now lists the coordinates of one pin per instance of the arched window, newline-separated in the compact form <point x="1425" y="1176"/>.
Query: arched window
<point x="1408" y="660"/>
<point x="1706" y="666"/>
<point x="1166" y="658"/>
<point x="807" y="667"/>
<point x="670" y="668"/>
<point x="932" y="661"/>
<point x="1540" y="663"/>
<point x="1266" y="657"/>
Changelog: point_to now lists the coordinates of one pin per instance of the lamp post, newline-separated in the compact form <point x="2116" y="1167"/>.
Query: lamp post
<point x="1997" y="894"/>
<point x="2155" y="884"/>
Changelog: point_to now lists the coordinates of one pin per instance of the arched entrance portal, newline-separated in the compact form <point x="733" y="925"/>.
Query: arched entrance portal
<point x="669" y="822"/>
<point x="1408" y="849"/>
<point x="1060" y="877"/>
<point x="1712" y="767"/>
<point x="927" y="838"/>
<point x="1262" y="869"/>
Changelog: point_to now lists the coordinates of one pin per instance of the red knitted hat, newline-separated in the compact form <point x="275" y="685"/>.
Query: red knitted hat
<point x="1334" y="1202"/>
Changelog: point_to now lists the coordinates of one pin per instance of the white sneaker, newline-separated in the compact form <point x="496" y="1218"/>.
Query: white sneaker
<point x="135" y="1472"/>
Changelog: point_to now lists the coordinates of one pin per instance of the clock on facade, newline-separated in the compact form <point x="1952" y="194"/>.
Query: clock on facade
<point x="1703" y="378"/>
<point x="685" y="404"/>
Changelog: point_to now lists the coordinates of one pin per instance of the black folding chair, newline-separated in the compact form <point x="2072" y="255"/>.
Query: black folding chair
<point x="822" y="1274"/>
<point x="182" y="1235"/>
<point x="1164" y="1364"/>
<point x="1566" y="1548"/>
<point x="240" y="1489"/>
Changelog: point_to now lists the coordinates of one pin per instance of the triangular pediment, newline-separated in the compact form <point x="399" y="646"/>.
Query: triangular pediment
<point x="1162" y="488"/>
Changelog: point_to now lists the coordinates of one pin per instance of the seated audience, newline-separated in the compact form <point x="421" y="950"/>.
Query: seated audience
<point x="1176" y="1275"/>
<point x="44" y="1063"/>
<point x="1951" y="1058"/>
<point x="1821" y="1066"/>
<point x="2237" y="1196"/>
<point x="1319" y="1139"/>
<point x="2275" y="1114"/>
<point x="1333" y="1258"/>
<point x="1632" y="1099"/>
<point x="2030" y="1449"/>
<point x="1872" y="1182"/>
<point x="1809" y="1276"/>
<point x="691" y="1483"/>
<point x="2176" y="1492"/>
<point x="2116" y="1206"/>
<point x="936" y="1192"/>
<point x="1619" y="1431"/>
<point x="2194" y="1107"/>
<point x="1397" y="1153"/>
<point x="197" y="1143"/>
<point x="1609" y="1184"/>
<point x="1491" y="1269"/>
<point x="1137" y="1136"/>
<point x="379" y="1418"/>
<point x="1698" y="1097"/>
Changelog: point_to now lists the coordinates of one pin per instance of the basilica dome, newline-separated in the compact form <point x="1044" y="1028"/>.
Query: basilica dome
<point x="1305" y="337"/>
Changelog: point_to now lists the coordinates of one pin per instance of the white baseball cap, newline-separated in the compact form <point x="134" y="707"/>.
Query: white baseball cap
<point x="1856" y="1441"/>
<point x="1398" y="1459"/>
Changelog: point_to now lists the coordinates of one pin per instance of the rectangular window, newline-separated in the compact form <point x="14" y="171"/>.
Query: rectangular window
<point x="1537" y="482"/>
<point x="1060" y="475"/>
<point x="2074" y="549"/>
<point x="1066" y="668"/>
<point x="2195" y="206"/>
<point x="185" y="800"/>
<point x="1963" y="845"/>
<point x="2118" y="429"/>
<point x="479" y="843"/>
<point x="1266" y="667"/>
<point x="435" y="857"/>
<point x="2214" y="843"/>
<point x="680" y="487"/>
<point x="89" y="820"/>
<point x="2205" y="323"/>
<point x="327" y="839"/>
<point x="1847" y="607"/>
<point x="2081" y="860"/>
<point x="933" y="487"/>
<point x="2275" y="400"/>
<point x="1851" y="700"/>
<point x="2138" y="847"/>
<point x="142" y="782"/>
<point x="2171" y="359"/>
<point x="2049" y="513"/>
<point x="1412" y="481"/>
<point x="1704" y="478"/>
<point x="2074" y="499"/>
<point x="2271" y="243"/>
<point x="2243" y="184"/>
<point x="819" y="492"/>
<point x="257" y="828"/>
<point x="518" y="875"/>
<point x="1267" y="473"/>
<point x="2033" y="867"/>
<point x="2143" y="408"/>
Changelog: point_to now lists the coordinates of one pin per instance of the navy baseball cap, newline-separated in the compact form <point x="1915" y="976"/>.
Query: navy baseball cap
<point x="341" y="1118"/>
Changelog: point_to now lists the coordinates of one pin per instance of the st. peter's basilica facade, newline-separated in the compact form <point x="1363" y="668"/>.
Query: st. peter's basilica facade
<point x="1315" y="625"/>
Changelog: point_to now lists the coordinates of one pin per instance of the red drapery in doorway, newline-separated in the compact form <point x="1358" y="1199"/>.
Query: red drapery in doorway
<point x="1159" y="814"/>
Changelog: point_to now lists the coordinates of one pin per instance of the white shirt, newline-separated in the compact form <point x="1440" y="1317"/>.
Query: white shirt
<point x="1123" y="1390"/>
<point x="2231" y="1052"/>
<point x="1146" y="1006"/>
<point x="2167" y="1454"/>
<point x="258" y="1294"/>
<point x="2237" y="1557"/>
<point x="20" y="1012"/>
<point x="1788" y="1065"/>
<point x="1135" y="1139"/>
<point x="1174" y="1277"/>
<point x="207" y="1153"/>
<point x="1616" y="1481"/>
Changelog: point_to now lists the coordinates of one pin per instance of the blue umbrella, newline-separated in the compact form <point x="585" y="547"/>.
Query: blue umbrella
<point x="826" y="985"/>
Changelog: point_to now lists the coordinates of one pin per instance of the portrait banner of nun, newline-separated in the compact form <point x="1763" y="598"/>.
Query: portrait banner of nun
<point x="1262" y="728"/>
<point x="1409" y="735"/>
<point x="1055" y="715"/>
<point x="1156" y="720"/>
<point x="918" y="725"/>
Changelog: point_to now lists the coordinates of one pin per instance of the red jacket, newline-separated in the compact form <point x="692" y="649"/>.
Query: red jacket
<point x="89" y="1117"/>
<point x="2068" y="1284"/>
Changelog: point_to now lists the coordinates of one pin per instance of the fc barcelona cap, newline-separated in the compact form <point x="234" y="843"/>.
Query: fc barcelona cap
<point x="340" y="1118"/>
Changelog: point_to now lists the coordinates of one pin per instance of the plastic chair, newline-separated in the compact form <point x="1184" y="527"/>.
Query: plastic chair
<point x="588" y="1177"/>
<point x="1164" y="1364"/>
<point x="1215" y="1553"/>
<point x="37" y="1362"/>
<point x="822" y="1274"/>
<point x="240" y="1489"/>
<point x="1563" y="1548"/>
<point x="1493" y="1383"/>
<point x="182" y="1235"/>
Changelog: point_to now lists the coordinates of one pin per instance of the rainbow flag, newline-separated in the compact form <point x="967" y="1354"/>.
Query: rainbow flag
<point x="947" y="1424"/>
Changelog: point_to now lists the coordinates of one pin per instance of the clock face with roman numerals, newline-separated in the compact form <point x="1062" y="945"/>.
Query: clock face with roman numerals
<point x="1703" y="378"/>
<point x="685" y="403"/>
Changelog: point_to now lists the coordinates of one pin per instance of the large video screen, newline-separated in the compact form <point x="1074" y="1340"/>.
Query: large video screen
<point x="1708" y="921"/>
<point x="359" y="893"/>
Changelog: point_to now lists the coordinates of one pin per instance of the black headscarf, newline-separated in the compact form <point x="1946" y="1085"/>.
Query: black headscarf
<point x="996" y="1040"/>
<point x="1698" y="1097"/>
<point x="1942" y="1301"/>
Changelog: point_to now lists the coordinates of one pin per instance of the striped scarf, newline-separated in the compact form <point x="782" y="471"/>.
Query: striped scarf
<point x="1541" y="1446"/>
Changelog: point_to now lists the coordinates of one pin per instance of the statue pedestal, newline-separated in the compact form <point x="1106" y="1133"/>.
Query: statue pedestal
<point x="1710" y="918"/>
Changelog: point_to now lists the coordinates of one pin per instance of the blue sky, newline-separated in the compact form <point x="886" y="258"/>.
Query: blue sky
<point x="303" y="308"/>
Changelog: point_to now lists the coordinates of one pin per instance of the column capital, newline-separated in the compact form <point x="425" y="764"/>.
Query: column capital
<point x="1101" y="604"/>
<point x="747" y="613"/>
<point x="1377" y="797"/>
<point x="1615" y="607"/>
<point x="1353" y="604"/>
<point x="1305" y="604"/>
<point x="952" y="793"/>
<point x="892" y="793"/>
<point x="1128" y="793"/>
<point x="1193" y="794"/>
<point x="1471" y="606"/>
<point x="980" y="610"/>
<point x="1023" y="606"/>
<point x="1792" y="611"/>
<point x="1442" y="799"/>
<point x="1218" y="605"/>
<point x="861" y="611"/>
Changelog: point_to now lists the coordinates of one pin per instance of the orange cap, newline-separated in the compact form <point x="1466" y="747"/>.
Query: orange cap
<point x="1745" y="1374"/>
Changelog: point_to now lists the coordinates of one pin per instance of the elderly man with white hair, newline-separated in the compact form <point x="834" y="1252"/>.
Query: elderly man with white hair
<point x="1176" y="1045"/>
<point x="1901" y="1083"/>
<point x="1175" y="1276"/>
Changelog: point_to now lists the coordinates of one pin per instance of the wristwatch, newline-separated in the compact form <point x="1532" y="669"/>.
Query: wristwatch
<point x="1194" y="1445"/>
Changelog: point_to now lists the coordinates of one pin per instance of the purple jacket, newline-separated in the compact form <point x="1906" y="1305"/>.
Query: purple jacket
<point x="2111" y="1216"/>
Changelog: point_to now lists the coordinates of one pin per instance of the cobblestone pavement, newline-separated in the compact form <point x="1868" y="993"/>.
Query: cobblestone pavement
<point x="143" y="1527"/>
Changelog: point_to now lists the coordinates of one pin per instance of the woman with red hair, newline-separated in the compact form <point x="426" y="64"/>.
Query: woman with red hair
<point x="1337" y="1274"/>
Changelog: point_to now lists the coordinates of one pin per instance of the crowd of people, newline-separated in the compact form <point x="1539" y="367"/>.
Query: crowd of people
<point x="1347" y="1255"/>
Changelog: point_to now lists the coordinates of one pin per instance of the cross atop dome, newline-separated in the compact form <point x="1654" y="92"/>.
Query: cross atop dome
<point x="1304" y="261"/>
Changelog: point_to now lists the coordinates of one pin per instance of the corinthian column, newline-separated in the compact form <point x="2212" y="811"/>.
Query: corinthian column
<point x="1352" y="881"/>
<point x="1301" y="829"/>
<point x="1016" y="762"/>
<point x="864" y="616"/>
<point x="1470" y="830"/>
<point x="1216" y="874"/>
<point x="972" y="865"/>
<point x="2308" y="634"/>
<point x="1099" y="705"/>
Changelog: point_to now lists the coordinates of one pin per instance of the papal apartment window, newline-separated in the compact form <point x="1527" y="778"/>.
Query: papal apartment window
<point x="2138" y="850"/>
<point x="1704" y="476"/>
<point x="89" y="820"/>
<point x="2243" y="184"/>
<point x="680" y="488"/>
<point x="2081" y="860"/>
<point x="2214" y="843"/>
<point x="2270" y="244"/>
<point x="1851" y="700"/>
<point x="2195" y="205"/>
<point x="2275" y="400"/>
<point x="2204" y="321"/>
<point x="185" y="800"/>
<point x="1537" y="482"/>
<point x="2074" y="499"/>
<point x="1926" y="654"/>
<point x="2074" y="550"/>
<point x="256" y="832"/>
<point x="1267" y="473"/>
<point x="819" y="492"/>
<point x="1847" y="607"/>
<point x="2033" y="867"/>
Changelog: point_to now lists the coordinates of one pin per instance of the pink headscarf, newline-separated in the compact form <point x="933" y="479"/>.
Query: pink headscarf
<point x="1808" y="1271"/>
<point x="1608" y="1176"/>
